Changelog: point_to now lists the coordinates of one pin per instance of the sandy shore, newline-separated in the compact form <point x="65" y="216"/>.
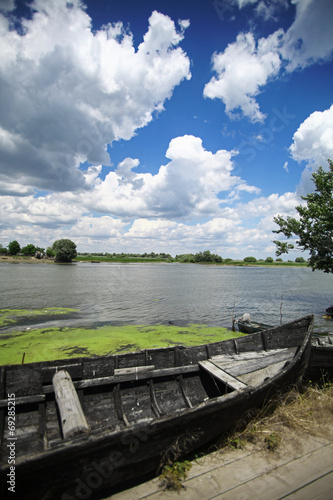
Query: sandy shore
<point x="16" y="259"/>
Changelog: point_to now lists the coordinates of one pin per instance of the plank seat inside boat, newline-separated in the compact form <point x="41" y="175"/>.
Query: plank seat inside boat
<point x="255" y="368"/>
<point x="246" y="362"/>
<point x="217" y="372"/>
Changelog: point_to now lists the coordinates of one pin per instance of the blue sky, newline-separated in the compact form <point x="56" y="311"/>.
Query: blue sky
<point x="173" y="127"/>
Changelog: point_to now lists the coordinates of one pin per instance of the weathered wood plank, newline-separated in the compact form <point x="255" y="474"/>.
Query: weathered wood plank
<point x="22" y="380"/>
<point x="42" y="422"/>
<point x="289" y="478"/>
<point x="75" y="371"/>
<point x="231" y="358"/>
<point x="182" y="388"/>
<point x="252" y="365"/>
<point x="154" y="403"/>
<point x="2" y="410"/>
<point x="163" y="372"/>
<point x="134" y="370"/>
<point x="118" y="405"/>
<point x="23" y="400"/>
<point x="250" y="343"/>
<point x="131" y="359"/>
<point x="101" y="366"/>
<point x="221" y="375"/>
<point x="73" y="420"/>
<point x="257" y="377"/>
<point x="163" y="357"/>
<point x="319" y="489"/>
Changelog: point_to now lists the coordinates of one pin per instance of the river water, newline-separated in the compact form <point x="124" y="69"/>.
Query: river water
<point x="159" y="292"/>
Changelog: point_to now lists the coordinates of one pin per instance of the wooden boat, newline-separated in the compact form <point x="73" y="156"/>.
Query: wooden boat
<point x="321" y="358"/>
<point x="85" y="425"/>
<point x="252" y="326"/>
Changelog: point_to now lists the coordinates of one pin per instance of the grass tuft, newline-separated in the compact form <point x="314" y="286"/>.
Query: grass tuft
<point x="173" y="475"/>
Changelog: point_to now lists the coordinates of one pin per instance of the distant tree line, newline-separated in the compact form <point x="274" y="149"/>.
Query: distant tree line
<point x="270" y="260"/>
<point x="61" y="251"/>
<point x="64" y="250"/>
<point x="14" y="248"/>
<point x="151" y="255"/>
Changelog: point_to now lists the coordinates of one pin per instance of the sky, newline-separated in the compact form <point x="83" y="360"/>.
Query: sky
<point x="161" y="126"/>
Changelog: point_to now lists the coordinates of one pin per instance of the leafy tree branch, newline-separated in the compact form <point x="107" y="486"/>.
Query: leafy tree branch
<point x="314" y="229"/>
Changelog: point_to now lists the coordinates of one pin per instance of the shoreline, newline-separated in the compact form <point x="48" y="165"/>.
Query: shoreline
<point x="13" y="259"/>
<point x="237" y="263"/>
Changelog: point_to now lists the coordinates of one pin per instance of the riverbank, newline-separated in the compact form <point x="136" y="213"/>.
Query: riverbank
<point x="16" y="259"/>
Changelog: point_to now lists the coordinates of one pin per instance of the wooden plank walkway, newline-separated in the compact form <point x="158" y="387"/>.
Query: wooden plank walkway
<point x="298" y="470"/>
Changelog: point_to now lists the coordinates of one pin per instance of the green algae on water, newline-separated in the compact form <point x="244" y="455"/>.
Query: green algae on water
<point x="63" y="343"/>
<point x="12" y="317"/>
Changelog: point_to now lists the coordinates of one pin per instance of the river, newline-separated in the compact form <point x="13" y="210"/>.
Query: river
<point x="153" y="293"/>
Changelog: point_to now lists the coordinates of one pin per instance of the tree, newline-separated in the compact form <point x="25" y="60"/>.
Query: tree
<point x="64" y="250"/>
<point x="269" y="259"/>
<point x="29" y="249"/>
<point x="250" y="259"/>
<point x="14" y="247"/>
<point x="49" y="252"/>
<point x="314" y="229"/>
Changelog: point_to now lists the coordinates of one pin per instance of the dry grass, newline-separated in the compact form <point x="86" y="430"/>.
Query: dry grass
<point x="288" y="418"/>
<point x="301" y="411"/>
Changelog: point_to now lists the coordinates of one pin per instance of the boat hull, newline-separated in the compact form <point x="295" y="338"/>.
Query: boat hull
<point x="94" y="465"/>
<point x="252" y="327"/>
<point x="321" y="358"/>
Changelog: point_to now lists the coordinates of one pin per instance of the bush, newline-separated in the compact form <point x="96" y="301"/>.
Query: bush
<point x="50" y="252"/>
<point x="64" y="250"/>
<point x="269" y="259"/>
<point x="299" y="259"/>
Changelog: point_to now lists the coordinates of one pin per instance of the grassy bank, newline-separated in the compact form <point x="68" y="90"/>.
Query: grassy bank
<point x="62" y="343"/>
<point x="118" y="259"/>
<point x="228" y="262"/>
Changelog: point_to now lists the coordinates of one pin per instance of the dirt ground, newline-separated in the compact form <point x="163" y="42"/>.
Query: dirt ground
<point x="26" y="260"/>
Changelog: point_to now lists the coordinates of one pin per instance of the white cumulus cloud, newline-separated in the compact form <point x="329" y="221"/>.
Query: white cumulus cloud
<point x="247" y="65"/>
<point x="313" y="140"/>
<point x="194" y="183"/>
<point x="67" y="91"/>
<point x="242" y="69"/>
<point x="313" y="143"/>
<point x="310" y="38"/>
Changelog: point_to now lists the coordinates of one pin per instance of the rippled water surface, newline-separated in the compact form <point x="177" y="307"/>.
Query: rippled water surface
<point x="158" y="293"/>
